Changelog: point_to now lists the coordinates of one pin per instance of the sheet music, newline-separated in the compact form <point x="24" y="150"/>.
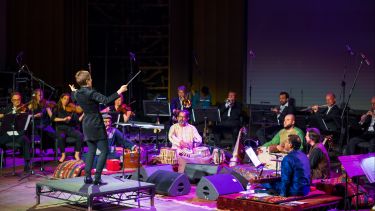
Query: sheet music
<point x="253" y="157"/>
<point x="27" y="122"/>
<point x="12" y="133"/>
<point x="368" y="167"/>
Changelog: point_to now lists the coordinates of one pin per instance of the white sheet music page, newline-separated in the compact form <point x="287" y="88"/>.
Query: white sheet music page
<point x="368" y="167"/>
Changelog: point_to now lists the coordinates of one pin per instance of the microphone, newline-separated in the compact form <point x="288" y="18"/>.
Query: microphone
<point x="21" y="69"/>
<point x="349" y="49"/>
<point x="365" y="59"/>
<point x="132" y="56"/>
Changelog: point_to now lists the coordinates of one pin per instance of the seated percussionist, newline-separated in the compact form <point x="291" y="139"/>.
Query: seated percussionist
<point x="318" y="155"/>
<point x="295" y="171"/>
<point x="183" y="135"/>
<point x="278" y="141"/>
<point x="184" y="138"/>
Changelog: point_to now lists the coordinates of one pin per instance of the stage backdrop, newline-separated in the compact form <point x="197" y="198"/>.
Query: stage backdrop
<point x="300" y="47"/>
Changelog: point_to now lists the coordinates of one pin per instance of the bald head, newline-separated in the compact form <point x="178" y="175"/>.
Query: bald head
<point x="330" y="99"/>
<point x="289" y="121"/>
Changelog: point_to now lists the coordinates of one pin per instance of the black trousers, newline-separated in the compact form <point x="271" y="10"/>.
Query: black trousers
<point x="352" y="148"/>
<point x="63" y="133"/>
<point x="20" y="140"/>
<point x="102" y="145"/>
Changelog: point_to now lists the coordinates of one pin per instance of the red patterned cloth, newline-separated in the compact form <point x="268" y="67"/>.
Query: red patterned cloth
<point x="69" y="169"/>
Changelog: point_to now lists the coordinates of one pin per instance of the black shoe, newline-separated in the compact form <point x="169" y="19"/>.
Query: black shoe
<point x="99" y="182"/>
<point x="87" y="180"/>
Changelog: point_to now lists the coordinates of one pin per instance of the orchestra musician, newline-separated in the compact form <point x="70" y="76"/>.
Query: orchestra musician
<point x="326" y="118"/>
<point x="121" y="108"/>
<point x="367" y="123"/>
<point x="318" y="155"/>
<point x="42" y="110"/>
<point x="182" y="102"/>
<point x="21" y="139"/>
<point x="93" y="126"/>
<point x="277" y="143"/>
<point x="280" y="112"/>
<point x="230" y="113"/>
<point x="202" y="99"/>
<point x="66" y="121"/>
<point x="295" y="171"/>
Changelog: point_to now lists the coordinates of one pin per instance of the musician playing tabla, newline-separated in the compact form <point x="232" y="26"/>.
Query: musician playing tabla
<point x="182" y="134"/>
<point x="278" y="141"/>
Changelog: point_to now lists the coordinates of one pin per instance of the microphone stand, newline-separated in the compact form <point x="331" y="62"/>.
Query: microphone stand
<point x="32" y="77"/>
<point x="345" y="109"/>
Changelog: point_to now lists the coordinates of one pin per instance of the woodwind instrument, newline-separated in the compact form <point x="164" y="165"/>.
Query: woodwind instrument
<point x="309" y="108"/>
<point x="238" y="152"/>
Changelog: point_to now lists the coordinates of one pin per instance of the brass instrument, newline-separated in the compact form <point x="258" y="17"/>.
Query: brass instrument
<point x="186" y="103"/>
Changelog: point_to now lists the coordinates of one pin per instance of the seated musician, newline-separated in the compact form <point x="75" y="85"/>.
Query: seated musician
<point x="115" y="139"/>
<point x="280" y="112"/>
<point x="183" y="135"/>
<point x="295" y="171"/>
<point x="367" y="123"/>
<point x="318" y="155"/>
<point x="182" y="102"/>
<point x="327" y="117"/>
<point x="230" y="113"/>
<point x="277" y="143"/>
<point x="66" y="122"/>
<point x="202" y="99"/>
<point x="120" y="108"/>
<point x="42" y="113"/>
<point x="15" y="108"/>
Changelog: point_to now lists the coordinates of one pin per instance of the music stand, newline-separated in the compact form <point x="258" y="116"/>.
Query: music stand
<point x="157" y="109"/>
<point x="205" y="115"/>
<point x="12" y="125"/>
<point x="353" y="165"/>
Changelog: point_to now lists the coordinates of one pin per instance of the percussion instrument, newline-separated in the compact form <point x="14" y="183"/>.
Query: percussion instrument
<point x="186" y="153"/>
<point x="218" y="158"/>
<point x="270" y="160"/>
<point x="168" y="156"/>
<point x="201" y="151"/>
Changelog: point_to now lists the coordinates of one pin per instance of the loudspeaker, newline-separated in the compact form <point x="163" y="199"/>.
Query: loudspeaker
<point x="146" y="171"/>
<point x="238" y="176"/>
<point x="195" y="172"/>
<point x="170" y="183"/>
<point x="211" y="187"/>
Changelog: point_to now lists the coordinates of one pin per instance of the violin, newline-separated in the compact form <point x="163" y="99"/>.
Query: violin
<point x="73" y="108"/>
<point x="21" y="108"/>
<point x="123" y="108"/>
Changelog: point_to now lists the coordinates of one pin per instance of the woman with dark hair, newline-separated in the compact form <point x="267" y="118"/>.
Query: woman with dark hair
<point x="66" y="119"/>
<point x="120" y="108"/>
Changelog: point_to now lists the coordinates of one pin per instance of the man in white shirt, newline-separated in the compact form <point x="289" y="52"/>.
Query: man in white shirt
<point x="183" y="135"/>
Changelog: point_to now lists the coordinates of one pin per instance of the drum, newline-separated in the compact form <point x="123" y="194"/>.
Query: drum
<point x="186" y="153"/>
<point x="218" y="159"/>
<point x="168" y="156"/>
<point x="201" y="151"/>
<point x="270" y="160"/>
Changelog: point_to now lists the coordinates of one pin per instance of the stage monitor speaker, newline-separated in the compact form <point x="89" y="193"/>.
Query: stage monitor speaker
<point x="196" y="171"/>
<point x="240" y="178"/>
<point x="170" y="183"/>
<point x="147" y="171"/>
<point x="211" y="187"/>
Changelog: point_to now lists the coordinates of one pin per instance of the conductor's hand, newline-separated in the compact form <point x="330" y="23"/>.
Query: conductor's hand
<point x="122" y="89"/>
<point x="72" y="87"/>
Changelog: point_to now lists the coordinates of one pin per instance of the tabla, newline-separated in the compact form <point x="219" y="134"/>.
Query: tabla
<point x="270" y="160"/>
<point x="201" y="151"/>
<point x="168" y="156"/>
<point x="218" y="159"/>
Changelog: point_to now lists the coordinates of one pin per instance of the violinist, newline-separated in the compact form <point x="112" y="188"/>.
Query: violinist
<point x="42" y="110"/>
<point x="65" y="115"/>
<point x="15" y="108"/>
<point x="182" y="102"/>
<point x="120" y="108"/>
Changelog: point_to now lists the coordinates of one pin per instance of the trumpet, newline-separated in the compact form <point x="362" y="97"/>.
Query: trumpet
<point x="309" y="108"/>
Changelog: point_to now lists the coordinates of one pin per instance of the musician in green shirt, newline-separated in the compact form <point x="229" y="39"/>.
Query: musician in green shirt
<point x="278" y="141"/>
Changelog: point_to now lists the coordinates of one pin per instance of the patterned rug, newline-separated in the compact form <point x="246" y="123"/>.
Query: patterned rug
<point x="190" y="199"/>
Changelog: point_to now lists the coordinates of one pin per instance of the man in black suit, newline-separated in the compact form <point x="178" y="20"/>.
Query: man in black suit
<point x="180" y="103"/>
<point x="93" y="125"/>
<point x="327" y="117"/>
<point x="280" y="112"/>
<point x="230" y="113"/>
<point x="367" y="123"/>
